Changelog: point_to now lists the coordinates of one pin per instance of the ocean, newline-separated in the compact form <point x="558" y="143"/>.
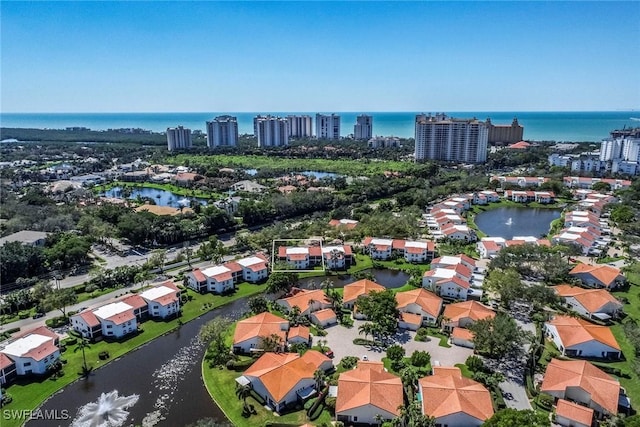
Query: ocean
<point x="538" y="126"/>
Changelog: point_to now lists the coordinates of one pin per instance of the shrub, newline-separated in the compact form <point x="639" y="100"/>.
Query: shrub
<point x="230" y="364"/>
<point x="474" y="363"/>
<point x="349" y="362"/>
<point x="309" y="403"/>
<point x="362" y="341"/>
<point x="330" y="403"/>
<point x="103" y="355"/>
<point x="422" y="335"/>
<point x="23" y="315"/>
<point x="420" y="358"/>
<point x="71" y="341"/>
<point x="12" y="330"/>
<point x="545" y="400"/>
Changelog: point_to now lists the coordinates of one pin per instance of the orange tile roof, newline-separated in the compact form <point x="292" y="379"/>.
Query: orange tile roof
<point x="462" y="333"/>
<point x="362" y="287"/>
<point x="302" y="298"/>
<point x="325" y="314"/>
<point x="122" y="317"/>
<point x="260" y="325"/>
<point x="467" y="309"/>
<point x="299" y="331"/>
<point x="281" y="372"/>
<point x="428" y="301"/>
<point x="40" y="330"/>
<point x="490" y="245"/>
<point x="590" y="299"/>
<point x="519" y="145"/>
<point x="573" y="331"/>
<point x="447" y="392"/>
<point x="234" y="266"/>
<point x="135" y="301"/>
<point x="297" y="257"/>
<point x="197" y="274"/>
<point x="410" y="318"/>
<point x="574" y="412"/>
<point x="604" y="273"/>
<point x="257" y="267"/>
<point x="5" y="362"/>
<point x="90" y="319"/>
<point x="43" y="350"/>
<point x="369" y="384"/>
<point x="563" y="374"/>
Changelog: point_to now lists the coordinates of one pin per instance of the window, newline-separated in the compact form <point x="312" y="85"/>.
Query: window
<point x="27" y="364"/>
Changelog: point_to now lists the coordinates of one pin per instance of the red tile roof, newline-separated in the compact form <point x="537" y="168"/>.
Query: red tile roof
<point x="369" y="384"/>
<point x="573" y="411"/>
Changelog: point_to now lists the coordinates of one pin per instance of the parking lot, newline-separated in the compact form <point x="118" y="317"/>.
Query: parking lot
<point x="340" y="340"/>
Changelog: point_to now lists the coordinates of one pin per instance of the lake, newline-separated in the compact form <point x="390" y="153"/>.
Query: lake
<point x="390" y="279"/>
<point x="161" y="197"/>
<point x="316" y="174"/>
<point x="516" y="221"/>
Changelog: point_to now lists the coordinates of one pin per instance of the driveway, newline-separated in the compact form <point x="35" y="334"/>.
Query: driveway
<point x="340" y="340"/>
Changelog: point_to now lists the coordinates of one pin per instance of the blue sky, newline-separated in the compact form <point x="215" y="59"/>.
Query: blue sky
<point x="319" y="56"/>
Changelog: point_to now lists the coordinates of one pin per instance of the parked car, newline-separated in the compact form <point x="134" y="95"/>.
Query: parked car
<point x="38" y="315"/>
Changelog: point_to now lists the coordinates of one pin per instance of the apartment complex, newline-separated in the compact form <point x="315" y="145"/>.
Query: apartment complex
<point x="271" y="131"/>
<point x="384" y="142"/>
<point x="300" y="126"/>
<point x="505" y="133"/>
<point x="327" y="127"/>
<point x="622" y="150"/>
<point x="451" y="140"/>
<point x="178" y="138"/>
<point x="222" y="132"/>
<point x="363" y="129"/>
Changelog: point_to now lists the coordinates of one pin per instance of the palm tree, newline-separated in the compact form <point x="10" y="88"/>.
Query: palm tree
<point x="83" y="344"/>
<point x="271" y="343"/>
<point x="379" y="419"/>
<point x="319" y="377"/>
<point x="366" y="329"/>
<point x="243" y="392"/>
<point x="409" y="378"/>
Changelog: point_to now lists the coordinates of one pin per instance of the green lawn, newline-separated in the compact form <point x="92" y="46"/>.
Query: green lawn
<point x="464" y="369"/>
<point x="29" y="395"/>
<point x="221" y="385"/>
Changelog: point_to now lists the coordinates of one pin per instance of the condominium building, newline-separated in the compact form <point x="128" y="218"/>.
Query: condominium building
<point x="327" y="127"/>
<point x="508" y="134"/>
<point x="178" y="138"/>
<point x="222" y="132"/>
<point x="271" y="131"/>
<point x="622" y="149"/>
<point x="363" y="129"/>
<point x="300" y="126"/>
<point x="449" y="139"/>
<point x="384" y="142"/>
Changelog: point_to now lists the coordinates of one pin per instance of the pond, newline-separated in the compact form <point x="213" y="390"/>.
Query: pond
<point x="165" y="373"/>
<point x="390" y="279"/>
<point x="516" y="221"/>
<point x="161" y="197"/>
<point x="316" y="174"/>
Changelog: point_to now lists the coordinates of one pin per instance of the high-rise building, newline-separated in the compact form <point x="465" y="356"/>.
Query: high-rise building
<point x="611" y="149"/>
<point x="222" y="132"/>
<point x="384" y="142"/>
<point x="271" y="131"/>
<point x="178" y="138"/>
<point x="327" y="127"/>
<point x="452" y="140"/>
<point x="363" y="129"/>
<point x="300" y="126"/>
<point x="507" y="134"/>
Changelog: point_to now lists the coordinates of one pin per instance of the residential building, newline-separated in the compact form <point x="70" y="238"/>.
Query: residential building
<point x="254" y="268"/>
<point x="419" y="252"/>
<point x="452" y="140"/>
<point x="333" y="257"/>
<point x="577" y="337"/>
<point x="249" y="187"/>
<point x="285" y="379"/>
<point x="463" y="314"/>
<point x="347" y="224"/>
<point x="163" y="301"/>
<point x="300" y="126"/>
<point x="504" y="133"/>
<point x="543" y="197"/>
<point x="178" y="138"/>
<point x="87" y="324"/>
<point x="222" y="132"/>
<point x="353" y="291"/>
<point x="217" y="279"/>
<point x="570" y="414"/>
<point x="363" y="129"/>
<point x="520" y="145"/>
<point x="593" y="303"/>
<point x="587" y="182"/>
<point x="31" y="353"/>
<point x="26" y="237"/>
<point x="324" y="317"/>
<point x="366" y="392"/>
<point x="462" y="337"/>
<point x="299" y="335"/>
<point x="598" y="276"/>
<point x="621" y="153"/>
<point x="307" y="301"/>
<point x="421" y="302"/>
<point x="327" y="127"/>
<point x="384" y="142"/>
<point x="271" y="131"/>
<point x="250" y="332"/>
<point x="582" y="382"/>
<point x="412" y="251"/>
<point x="7" y="369"/>
<point x="454" y="400"/>
<point x="116" y="320"/>
<point x="520" y="181"/>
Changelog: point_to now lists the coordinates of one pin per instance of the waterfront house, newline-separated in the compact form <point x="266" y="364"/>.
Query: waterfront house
<point x="217" y="279"/>
<point x="352" y="291"/>
<point x="598" y="276"/>
<point x="419" y="252"/>
<point x="87" y="324"/>
<point x="366" y="392"/>
<point x="250" y="332"/>
<point x="32" y="352"/>
<point x="582" y="382"/>
<point x="285" y="379"/>
<point x="140" y="306"/>
<point x="463" y="314"/>
<point x="254" y="268"/>
<point x="300" y="258"/>
<point x="454" y="400"/>
<point x="163" y="300"/>
<point x="378" y="249"/>
<point x="420" y="302"/>
<point x="307" y="301"/>
<point x="577" y="337"/>
<point x="594" y="303"/>
<point x="116" y="319"/>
